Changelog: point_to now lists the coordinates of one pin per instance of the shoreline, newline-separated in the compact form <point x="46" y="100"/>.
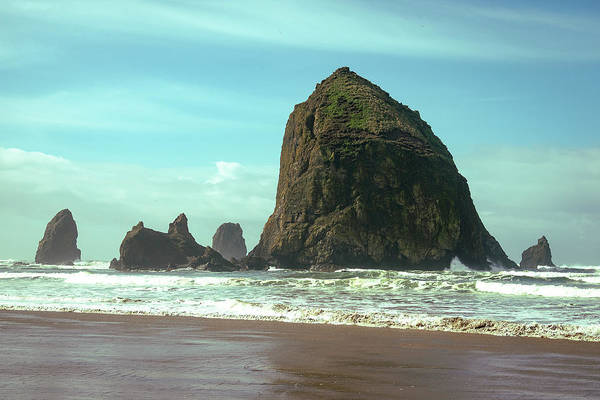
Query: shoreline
<point x="61" y="354"/>
<point x="473" y="326"/>
<point x="280" y="325"/>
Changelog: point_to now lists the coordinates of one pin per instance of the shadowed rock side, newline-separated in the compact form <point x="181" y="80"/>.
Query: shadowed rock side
<point x="144" y="248"/>
<point x="364" y="182"/>
<point x="59" y="244"/>
<point x="229" y="241"/>
<point x="538" y="254"/>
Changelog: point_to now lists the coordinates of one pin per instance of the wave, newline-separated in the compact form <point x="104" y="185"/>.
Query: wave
<point x="77" y="265"/>
<point x="236" y="309"/>
<point x="273" y="269"/>
<point x="118" y="279"/>
<point x="536" y="274"/>
<point x="587" y="279"/>
<point x="571" y="268"/>
<point x="384" y="281"/>
<point x="93" y="264"/>
<point x="378" y="281"/>
<point x="535" y="290"/>
<point x="457" y="266"/>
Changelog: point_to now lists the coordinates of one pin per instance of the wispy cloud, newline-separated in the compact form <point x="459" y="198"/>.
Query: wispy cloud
<point x="17" y="158"/>
<point x="107" y="199"/>
<point x="225" y="171"/>
<point x="431" y="28"/>
<point x="143" y="106"/>
<point x="533" y="17"/>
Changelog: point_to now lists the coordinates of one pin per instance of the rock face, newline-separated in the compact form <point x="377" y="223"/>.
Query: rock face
<point x="144" y="248"/>
<point x="364" y="182"/>
<point x="59" y="244"/>
<point x="229" y="241"/>
<point x="538" y="254"/>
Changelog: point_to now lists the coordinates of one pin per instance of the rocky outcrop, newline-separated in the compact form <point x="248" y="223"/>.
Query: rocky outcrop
<point x="538" y="254"/>
<point x="144" y="248"/>
<point x="364" y="182"/>
<point x="59" y="244"/>
<point x="229" y="241"/>
<point x="252" y="263"/>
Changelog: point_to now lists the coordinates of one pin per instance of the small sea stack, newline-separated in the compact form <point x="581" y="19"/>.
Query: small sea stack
<point x="59" y="244"/>
<point x="364" y="182"/>
<point x="229" y="241"/>
<point x="537" y="255"/>
<point x="147" y="249"/>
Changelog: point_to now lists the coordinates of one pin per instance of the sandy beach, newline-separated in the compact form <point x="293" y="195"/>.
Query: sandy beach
<point x="98" y="356"/>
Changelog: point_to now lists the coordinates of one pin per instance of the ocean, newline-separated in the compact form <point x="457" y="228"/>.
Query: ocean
<point x="552" y="302"/>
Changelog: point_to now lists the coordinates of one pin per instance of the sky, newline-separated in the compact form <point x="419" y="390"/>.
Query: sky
<point x="137" y="110"/>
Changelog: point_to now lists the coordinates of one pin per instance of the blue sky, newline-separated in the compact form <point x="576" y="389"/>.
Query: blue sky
<point x="138" y="110"/>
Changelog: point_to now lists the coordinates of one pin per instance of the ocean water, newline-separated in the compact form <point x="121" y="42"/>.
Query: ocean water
<point x="554" y="302"/>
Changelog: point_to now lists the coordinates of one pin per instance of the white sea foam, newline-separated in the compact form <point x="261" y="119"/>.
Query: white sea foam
<point x="587" y="279"/>
<point x="93" y="264"/>
<point x="21" y="275"/>
<point x="235" y="309"/>
<point x="546" y="274"/>
<point x="569" y="267"/>
<point x="535" y="290"/>
<point x="386" y="282"/>
<point x="401" y="299"/>
<point x="457" y="266"/>
<point x="92" y="278"/>
<point x="535" y="274"/>
<point x="369" y="270"/>
<point x="77" y="265"/>
<point x="86" y="278"/>
<point x="273" y="269"/>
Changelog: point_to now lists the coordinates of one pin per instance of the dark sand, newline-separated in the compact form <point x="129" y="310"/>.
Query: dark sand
<point x="47" y="355"/>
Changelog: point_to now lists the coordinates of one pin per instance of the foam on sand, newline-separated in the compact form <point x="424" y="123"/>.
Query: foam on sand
<point x="235" y="309"/>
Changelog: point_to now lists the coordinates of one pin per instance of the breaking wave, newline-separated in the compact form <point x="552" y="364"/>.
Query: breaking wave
<point x="555" y="302"/>
<point x="528" y="283"/>
<point x="532" y="290"/>
<point x="236" y="309"/>
<point x="374" y="281"/>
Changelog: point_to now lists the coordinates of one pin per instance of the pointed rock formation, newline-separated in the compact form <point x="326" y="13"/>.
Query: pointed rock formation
<point x="364" y="182"/>
<point x="538" y="254"/>
<point x="144" y="248"/>
<point x="229" y="241"/>
<point x="59" y="244"/>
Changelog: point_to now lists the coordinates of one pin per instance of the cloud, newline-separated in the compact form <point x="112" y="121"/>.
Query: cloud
<point x="107" y="199"/>
<point x="17" y="158"/>
<point x="427" y="28"/>
<point x="524" y="193"/>
<point x="533" y="17"/>
<point x="225" y="171"/>
<point x="144" y="106"/>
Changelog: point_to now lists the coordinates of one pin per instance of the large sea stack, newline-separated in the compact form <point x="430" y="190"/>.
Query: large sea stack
<point x="364" y="182"/>
<point x="144" y="248"/>
<point x="59" y="244"/>
<point x="537" y="255"/>
<point x="229" y="241"/>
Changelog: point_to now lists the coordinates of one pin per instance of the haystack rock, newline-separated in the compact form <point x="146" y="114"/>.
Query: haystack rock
<point x="364" y="182"/>
<point x="144" y="248"/>
<point x="59" y="244"/>
<point x="229" y="241"/>
<point x="538" y="254"/>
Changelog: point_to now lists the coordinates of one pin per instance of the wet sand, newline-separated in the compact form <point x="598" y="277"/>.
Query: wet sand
<point x="46" y="355"/>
